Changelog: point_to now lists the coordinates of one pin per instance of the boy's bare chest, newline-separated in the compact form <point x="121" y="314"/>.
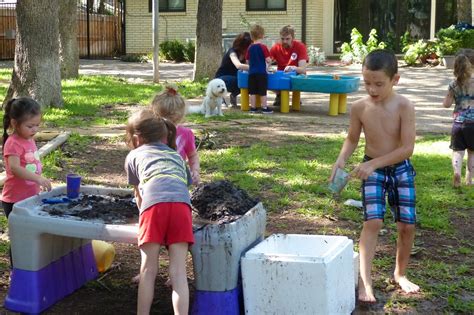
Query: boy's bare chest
<point x="381" y="122"/>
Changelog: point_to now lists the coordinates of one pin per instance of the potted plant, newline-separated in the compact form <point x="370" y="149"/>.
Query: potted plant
<point x="446" y="49"/>
<point x="449" y="42"/>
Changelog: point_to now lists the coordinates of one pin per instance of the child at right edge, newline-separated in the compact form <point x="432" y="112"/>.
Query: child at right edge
<point x="461" y="92"/>
<point x="388" y="122"/>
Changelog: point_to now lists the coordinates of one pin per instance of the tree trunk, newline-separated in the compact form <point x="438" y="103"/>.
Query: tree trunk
<point x="101" y="8"/>
<point x="36" y="70"/>
<point x="90" y="5"/>
<point x="464" y="10"/>
<point x="208" y="39"/>
<point x="68" y="47"/>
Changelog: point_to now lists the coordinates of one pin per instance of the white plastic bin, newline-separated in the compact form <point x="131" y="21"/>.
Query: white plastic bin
<point x="299" y="274"/>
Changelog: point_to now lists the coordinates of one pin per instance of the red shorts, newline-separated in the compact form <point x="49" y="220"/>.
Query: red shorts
<point x="166" y="223"/>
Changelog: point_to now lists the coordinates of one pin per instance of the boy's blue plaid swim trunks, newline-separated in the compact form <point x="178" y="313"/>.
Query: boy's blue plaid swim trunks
<point x="398" y="181"/>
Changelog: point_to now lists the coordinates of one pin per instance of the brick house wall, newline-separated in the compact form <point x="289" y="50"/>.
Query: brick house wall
<point x="182" y="25"/>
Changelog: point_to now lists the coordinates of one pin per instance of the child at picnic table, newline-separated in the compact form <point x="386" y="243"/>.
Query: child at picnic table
<point x="170" y="105"/>
<point x="461" y="92"/>
<point x="388" y="122"/>
<point x="258" y="58"/>
<point x="160" y="179"/>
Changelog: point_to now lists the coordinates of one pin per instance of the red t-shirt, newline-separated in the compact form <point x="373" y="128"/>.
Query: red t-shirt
<point x="289" y="56"/>
<point x="16" y="189"/>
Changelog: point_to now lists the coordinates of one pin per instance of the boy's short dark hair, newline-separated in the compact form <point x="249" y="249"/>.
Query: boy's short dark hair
<point x="381" y="59"/>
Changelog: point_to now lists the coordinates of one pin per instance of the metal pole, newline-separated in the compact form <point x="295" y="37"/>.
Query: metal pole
<point x="122" y="29"/>
<point x="156" y="46"/>
<point x="88" y="31"/>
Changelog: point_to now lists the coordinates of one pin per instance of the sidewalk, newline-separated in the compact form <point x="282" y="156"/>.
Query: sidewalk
<point x="424" y="86"/>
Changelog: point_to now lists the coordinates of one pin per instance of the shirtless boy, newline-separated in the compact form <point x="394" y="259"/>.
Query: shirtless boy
<point x="388" y="122"/>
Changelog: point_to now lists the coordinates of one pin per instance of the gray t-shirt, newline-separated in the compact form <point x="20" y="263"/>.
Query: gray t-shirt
<point x="160" y="174"/>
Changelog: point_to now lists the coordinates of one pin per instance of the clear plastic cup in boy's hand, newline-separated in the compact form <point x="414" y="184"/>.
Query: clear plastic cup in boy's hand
<point x="339" y="181"/>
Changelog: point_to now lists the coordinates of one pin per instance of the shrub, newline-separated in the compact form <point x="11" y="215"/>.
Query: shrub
<point x="451" y="39"/>
<point x="134" y="58"/>
<point x="406" y="40"/>
<point x="316" y="56"/>
<point x="356" y="51"/>
<point x="189" y="51"/>
<point x="172" y="50"/>
<point x="419" y="52"/>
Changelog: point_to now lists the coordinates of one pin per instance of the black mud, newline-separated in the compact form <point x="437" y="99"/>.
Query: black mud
<point x="110" y="209"/>
<point x="221" y="201"/>
<point x="217" y="202"/>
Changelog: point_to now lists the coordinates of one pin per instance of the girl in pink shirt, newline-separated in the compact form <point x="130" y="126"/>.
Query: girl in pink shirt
<point x="170" y="105"/>
<point x="20" y="154"/>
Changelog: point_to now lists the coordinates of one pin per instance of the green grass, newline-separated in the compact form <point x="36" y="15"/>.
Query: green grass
<point x="297" y="171"/>
<point x="87" y="98"/>
<point x="293" y="177"/>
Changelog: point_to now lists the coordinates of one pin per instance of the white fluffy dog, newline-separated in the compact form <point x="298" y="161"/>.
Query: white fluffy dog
<point x="212" y="103"/>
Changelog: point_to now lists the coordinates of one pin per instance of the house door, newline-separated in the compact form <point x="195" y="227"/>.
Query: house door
<point x="391" y="19"/>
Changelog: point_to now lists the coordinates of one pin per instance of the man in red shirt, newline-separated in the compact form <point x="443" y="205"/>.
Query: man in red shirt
<point x="289" y="54"/>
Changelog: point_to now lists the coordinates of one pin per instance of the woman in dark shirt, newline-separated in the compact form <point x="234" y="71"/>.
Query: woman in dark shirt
<point x="234" y="60"/>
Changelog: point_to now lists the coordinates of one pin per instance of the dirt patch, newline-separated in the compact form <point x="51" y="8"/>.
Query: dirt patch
<point x="221" y="201"/>
<point x="114" y="293"/>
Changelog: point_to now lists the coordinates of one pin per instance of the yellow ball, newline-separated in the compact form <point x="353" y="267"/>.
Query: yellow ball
<point x="104" y="254"/>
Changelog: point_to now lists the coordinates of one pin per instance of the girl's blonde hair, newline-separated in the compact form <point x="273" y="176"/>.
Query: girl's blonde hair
<point x="170" y="105"/>
<point x="150" y="128"/>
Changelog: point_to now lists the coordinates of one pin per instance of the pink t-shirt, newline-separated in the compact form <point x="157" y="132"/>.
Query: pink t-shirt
<point x="185" y="144"/>
<point x="16" y="189"/>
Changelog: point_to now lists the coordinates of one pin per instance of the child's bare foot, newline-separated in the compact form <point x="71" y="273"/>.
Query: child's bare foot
<point x="456" y="181"/>
<point x="366" y="293"/>
<point x="136" y="279"/>
<point x="406" y="285"/>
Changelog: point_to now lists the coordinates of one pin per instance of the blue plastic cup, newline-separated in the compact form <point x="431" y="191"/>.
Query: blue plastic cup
<point x="73" y="184"/>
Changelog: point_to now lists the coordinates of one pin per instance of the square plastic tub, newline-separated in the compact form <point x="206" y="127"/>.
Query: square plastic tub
<point x="216" y="259"/>
<point x="299" y="274"/>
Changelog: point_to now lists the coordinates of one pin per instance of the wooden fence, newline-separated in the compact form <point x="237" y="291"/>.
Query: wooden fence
<point x="98" y="35"/>
<point x="7" y="30"/>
